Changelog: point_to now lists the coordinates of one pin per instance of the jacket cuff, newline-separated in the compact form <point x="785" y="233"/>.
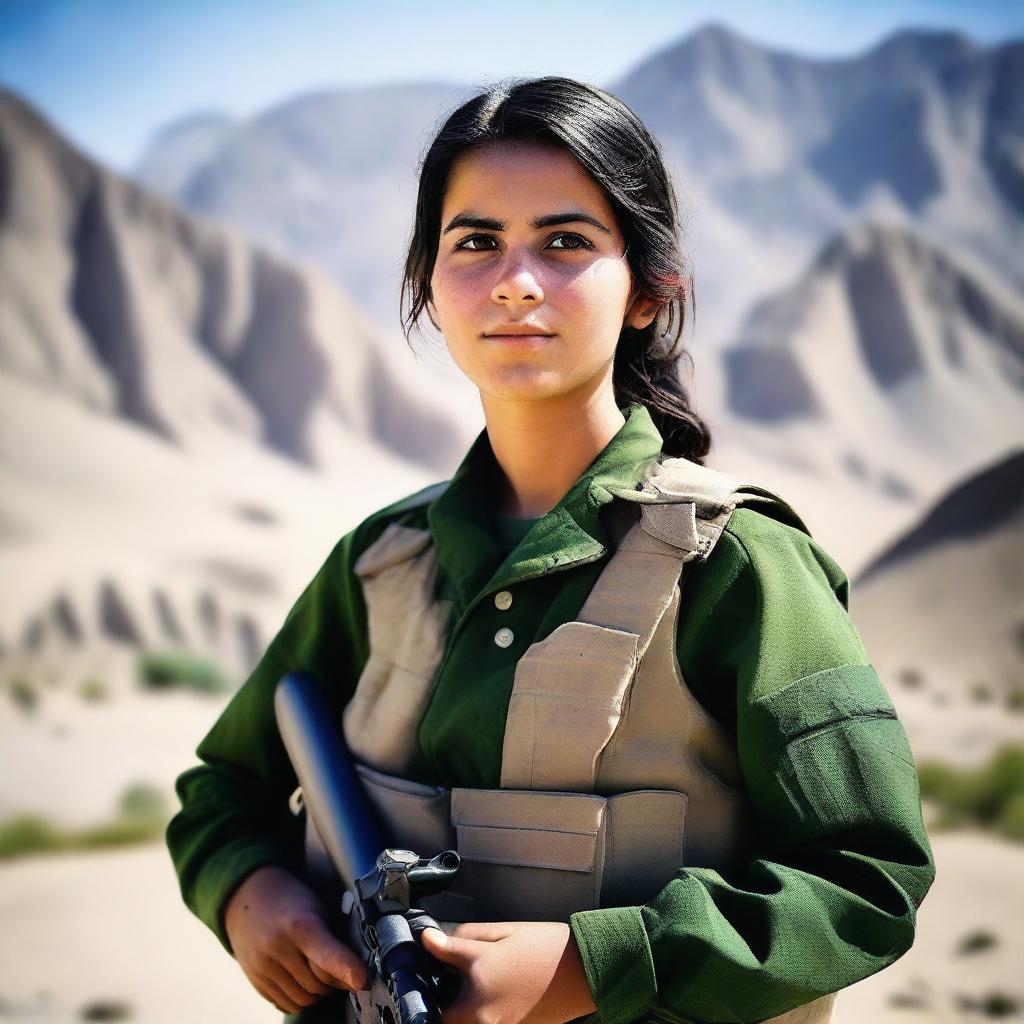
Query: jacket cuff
<point x="224" y="872"/>
<point x="617" y="960"/>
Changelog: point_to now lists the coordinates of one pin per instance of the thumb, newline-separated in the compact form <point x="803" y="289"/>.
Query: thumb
<point x="449" y="949"/>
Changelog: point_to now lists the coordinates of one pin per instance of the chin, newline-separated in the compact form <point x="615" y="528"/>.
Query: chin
<point x="524" y="387"/>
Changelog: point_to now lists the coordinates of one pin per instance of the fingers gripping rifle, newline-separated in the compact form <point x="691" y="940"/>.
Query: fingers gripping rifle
<point x="407" y="985"/>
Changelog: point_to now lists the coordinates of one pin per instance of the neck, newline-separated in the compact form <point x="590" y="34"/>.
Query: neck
<point x="543" y="446"/>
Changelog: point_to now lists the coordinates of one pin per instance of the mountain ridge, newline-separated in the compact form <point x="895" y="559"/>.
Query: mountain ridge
<point x="131" y="305"/>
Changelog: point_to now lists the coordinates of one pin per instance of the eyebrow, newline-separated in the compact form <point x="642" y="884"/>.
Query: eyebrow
<point x="466" y="220"/>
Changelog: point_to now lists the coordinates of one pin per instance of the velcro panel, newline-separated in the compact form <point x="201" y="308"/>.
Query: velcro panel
<point x="821" y="699"/>
<point x="833" y="757"/>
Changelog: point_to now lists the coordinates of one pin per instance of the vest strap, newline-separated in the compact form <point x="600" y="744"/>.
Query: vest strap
<point x="572" y="688"/>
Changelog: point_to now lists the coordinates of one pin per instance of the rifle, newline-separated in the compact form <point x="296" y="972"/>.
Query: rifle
<point x="407" y="984"/>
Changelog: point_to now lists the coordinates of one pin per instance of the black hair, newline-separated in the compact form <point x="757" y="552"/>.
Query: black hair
<point x="623" y="158"/>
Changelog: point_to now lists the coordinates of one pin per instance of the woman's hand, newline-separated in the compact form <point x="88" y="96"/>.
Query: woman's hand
<point x="278" y="932"/>
<point x="513" y="972"/>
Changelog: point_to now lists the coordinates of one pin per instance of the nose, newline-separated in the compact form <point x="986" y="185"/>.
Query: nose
<point x="517" y="281"/>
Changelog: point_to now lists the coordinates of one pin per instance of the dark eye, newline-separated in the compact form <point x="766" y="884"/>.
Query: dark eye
<point x="579" y="242"/>
<point x="473" y="238"/>
<point x="583" y="243"/>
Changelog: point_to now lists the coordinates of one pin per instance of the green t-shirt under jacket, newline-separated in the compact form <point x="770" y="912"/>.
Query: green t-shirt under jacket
<point x="765" y="643"/>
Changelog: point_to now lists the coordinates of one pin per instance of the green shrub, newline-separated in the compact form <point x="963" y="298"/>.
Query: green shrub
<point x="946" y="820"/>
<point x="142" y="815"/>
<point x="1018" y="637"/>
<point x="94" y="691"/>
<point x="29" y="833"/>
<point x="23" y="693"/>
<point x="980" y="693"/>
<point x="937" y="780"/>
<point x="978" y="941"/>
<point x="119" y="832"/>
<point x="169" y="669"/>
<point x="1010" y="822"/>
<point x="143" y="801"/>
<point x="107" y="1009"/>
<point x="991" y="795"/>
<point x="1015" y="700"/>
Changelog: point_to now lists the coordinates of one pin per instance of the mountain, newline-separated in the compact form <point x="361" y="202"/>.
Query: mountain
<point x="772" y="154"/>
<point x="180" y="147"/>
<point x="924" y="355"/>
<point x="117" y="299"/>
<point x="991" y="502"/>
<point x="113" y="539"/>
<point x="188" y="423"/>
<point x="328" y="177"/>
<point x="776" y="151"/>
<point x="868" y="386"/>
<point x="941" y="612"/>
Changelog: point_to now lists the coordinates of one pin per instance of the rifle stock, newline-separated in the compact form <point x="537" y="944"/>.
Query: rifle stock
<point x="331" y="790"/>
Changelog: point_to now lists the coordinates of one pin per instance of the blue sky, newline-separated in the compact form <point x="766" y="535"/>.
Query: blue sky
<point x="110" y="72"/>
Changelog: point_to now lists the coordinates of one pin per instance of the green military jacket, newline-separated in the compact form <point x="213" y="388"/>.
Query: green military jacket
<point x="766" y="644"/>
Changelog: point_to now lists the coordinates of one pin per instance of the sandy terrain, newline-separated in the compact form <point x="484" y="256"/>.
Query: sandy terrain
<point x="110" y="925"/>
<point x="72" y="760"/>
<point x="75" y="928"/>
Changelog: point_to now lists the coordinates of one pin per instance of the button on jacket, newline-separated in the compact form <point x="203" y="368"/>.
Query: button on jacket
<point x="832" y="901"/>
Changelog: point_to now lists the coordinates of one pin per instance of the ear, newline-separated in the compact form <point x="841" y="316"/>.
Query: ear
<point x="641" y="312"/>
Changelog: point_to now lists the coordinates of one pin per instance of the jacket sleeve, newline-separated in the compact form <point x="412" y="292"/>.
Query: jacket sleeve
<point x="234" y="813"/>
<point x="829" y="894"/>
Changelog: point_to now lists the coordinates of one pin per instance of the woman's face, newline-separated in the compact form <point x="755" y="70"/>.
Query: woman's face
<point x="500" y="268"/>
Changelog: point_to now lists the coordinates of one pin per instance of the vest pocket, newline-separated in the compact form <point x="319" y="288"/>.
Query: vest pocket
<point x="646" y="845"/>
<point x="529" y="855"/>
<point x="538" y="855"/>
<point x="414" y="816"/>
<point x="534" y="855"/>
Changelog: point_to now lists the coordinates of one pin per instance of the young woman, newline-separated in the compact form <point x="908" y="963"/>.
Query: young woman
<point x="626" y="685"/>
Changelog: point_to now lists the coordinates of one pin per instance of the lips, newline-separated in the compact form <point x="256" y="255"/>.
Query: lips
<point x="522" y="340"/>
<point x="522" y="330"/>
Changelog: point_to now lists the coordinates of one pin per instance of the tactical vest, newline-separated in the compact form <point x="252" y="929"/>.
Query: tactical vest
<point x="613" y="775"/>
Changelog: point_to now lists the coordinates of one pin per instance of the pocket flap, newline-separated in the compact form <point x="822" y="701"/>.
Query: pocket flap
<point x="526" y="828"/>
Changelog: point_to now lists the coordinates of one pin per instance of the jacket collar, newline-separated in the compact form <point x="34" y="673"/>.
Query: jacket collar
<point x="572" y="532"/>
